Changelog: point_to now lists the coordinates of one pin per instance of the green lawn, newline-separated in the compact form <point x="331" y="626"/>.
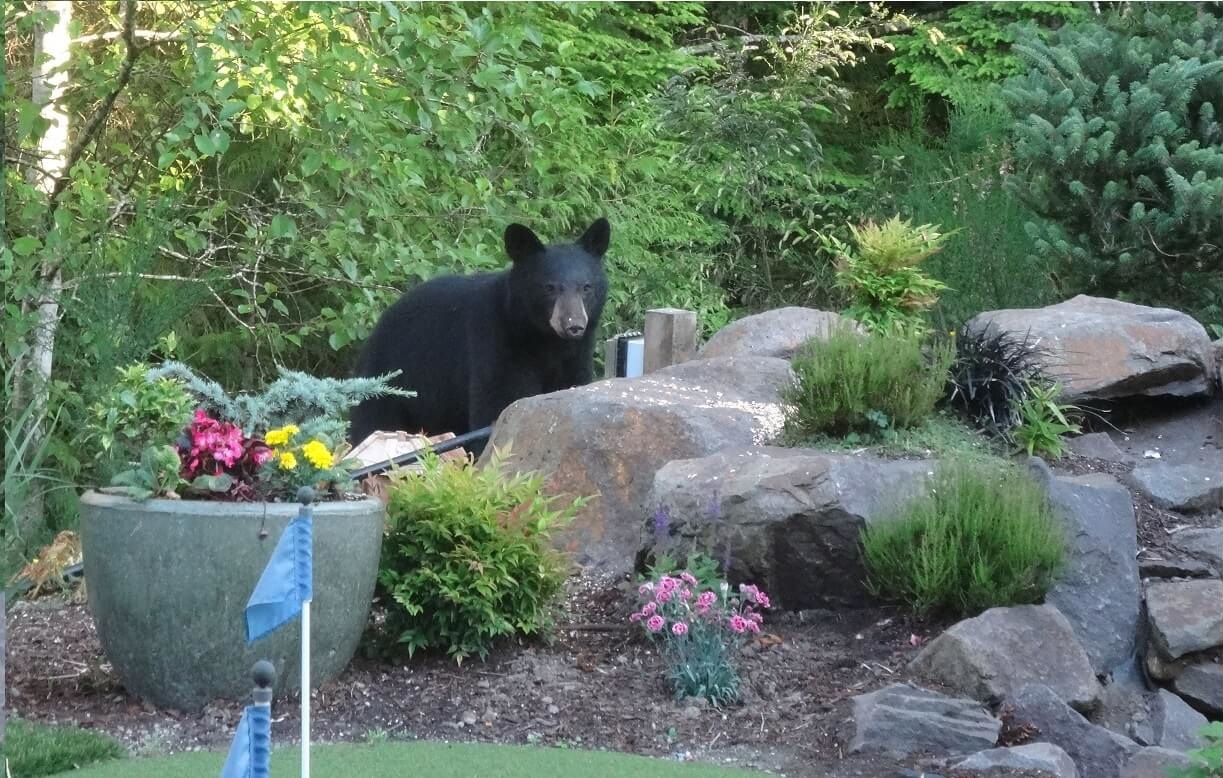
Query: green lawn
<point x="435" y="760"/>
<point x="33" y="750"/>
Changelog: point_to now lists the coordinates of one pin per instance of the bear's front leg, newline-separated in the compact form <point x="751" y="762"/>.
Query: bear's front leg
<point x="492" y="392"/>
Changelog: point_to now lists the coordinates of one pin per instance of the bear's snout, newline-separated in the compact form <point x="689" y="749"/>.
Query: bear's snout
<point x="569" y="317"/>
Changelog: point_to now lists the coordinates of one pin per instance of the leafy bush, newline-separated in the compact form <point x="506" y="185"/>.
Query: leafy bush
<point x="960" y="178"/>
<point x="1043" y="421"/>
<point x="1119" y="150"/>
<point x="881" y="272"/>
<point x="983" y="536"/>
<point x="466" y="559"/>
<point x="138" y="409"/>
<point x="33" y="750"/>
<point x="851" y="383"/>
<point x="701" y="627"/>
<point x="1207" y="760"/>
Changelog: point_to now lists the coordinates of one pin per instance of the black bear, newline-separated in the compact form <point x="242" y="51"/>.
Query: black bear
<point x="471" y="345"/>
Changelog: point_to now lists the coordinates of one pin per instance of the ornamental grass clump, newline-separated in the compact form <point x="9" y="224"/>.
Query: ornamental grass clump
<point x="984" y="536"/>
<point x="852" y="383"/>
<point x="700" y="630"/>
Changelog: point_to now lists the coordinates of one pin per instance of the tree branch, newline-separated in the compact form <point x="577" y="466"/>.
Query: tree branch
<point x="150" y="36"/>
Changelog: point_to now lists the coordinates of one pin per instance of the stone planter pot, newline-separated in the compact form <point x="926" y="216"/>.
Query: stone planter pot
<point x="168" y="580"/>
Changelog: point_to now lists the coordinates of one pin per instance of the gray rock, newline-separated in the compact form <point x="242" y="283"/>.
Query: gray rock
<point x="1126" y="706"/>
<point x="789" y="520"/>
<point x="1097" y="445"/>
<point x="1177" y="724"/>
<point x="994" y="654"/>
<point x="1174" y="566"/>
<point x="1153" y="762"/>
<point x="1099" y="590"/>
<point x="1104" y="349"/>
<point x="1188" y="488"/>
<point x="1045" y="757"/>
<point x="902" y="719"/>
<point x="610" y="437"/>
<point x="776" y="333"/>
<point x="1201" y="544"/>
<point x="1202" y="684"/>
<point x="1185" y="616"/>
<point x="1096" y="751"/>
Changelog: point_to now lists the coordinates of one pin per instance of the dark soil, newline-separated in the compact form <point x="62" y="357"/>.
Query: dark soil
<point x="596" y="685"/>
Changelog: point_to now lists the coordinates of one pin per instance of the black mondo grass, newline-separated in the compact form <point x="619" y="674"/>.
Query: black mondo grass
<point x="991" y="375"/>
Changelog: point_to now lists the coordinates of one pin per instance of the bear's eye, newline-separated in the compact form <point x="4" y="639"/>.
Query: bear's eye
<point x="586" y="288"/>
<point x="550" y="288"/>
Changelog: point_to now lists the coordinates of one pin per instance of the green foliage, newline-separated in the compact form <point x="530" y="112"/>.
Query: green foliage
<point x="982" y="537"/>
<point x="466" y="559"/>
<point x="959" y="178"/>
<point x="881" y="273"/>
<point x="318" y="405"/>
<point x="155" y="476"/>
<point x="941" y="435"/>
<point x="850" y="383"/>
<point x="140" y="408"/>
<point x="1207" y="760"/>
<point x="698" y="564"/>
<point x="1120" y="152"/>
<point x="950" y="54"/>
<point x="34" y="750"/>
<point x="1043" y="421"/>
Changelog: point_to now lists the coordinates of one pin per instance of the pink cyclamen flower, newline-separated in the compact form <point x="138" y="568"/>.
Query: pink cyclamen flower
<point x="738" y="623"/>
<point x="664" y="595"/>
<point x="679" y="628"/>
<point x="685" y="594"/>
<point x="649" y="608"/>
<point x="753" y="627"/>
<point x="667" y="584"/>
<point x="636" y="617"/>
<point x="688" y="578"/>
<point x="655" y="623"/>
<point x="762" y="599"/>
<point x="706" y="599"/>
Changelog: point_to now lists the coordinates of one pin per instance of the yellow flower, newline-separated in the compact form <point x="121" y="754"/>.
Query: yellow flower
<point x="281" y="436"/>
<point x="317" y="454"/>
<point x="288" y="461"/>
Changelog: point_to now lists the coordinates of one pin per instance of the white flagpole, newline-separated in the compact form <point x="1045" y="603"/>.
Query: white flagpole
<point x="305" y="689"/>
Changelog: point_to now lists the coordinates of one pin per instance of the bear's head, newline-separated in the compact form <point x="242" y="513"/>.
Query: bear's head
<point x="561" y="288"/>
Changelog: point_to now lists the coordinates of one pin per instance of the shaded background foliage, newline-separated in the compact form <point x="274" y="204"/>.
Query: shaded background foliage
<point x="270" y="177"/>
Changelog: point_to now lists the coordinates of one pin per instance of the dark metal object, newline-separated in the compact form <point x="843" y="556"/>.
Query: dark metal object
<point x="481" y="436"/>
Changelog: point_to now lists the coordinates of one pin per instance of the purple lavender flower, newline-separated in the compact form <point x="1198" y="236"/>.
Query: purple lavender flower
<point x="662" y="521"/>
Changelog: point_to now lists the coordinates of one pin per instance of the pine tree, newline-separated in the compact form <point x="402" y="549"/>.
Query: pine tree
<point x="1119" y="149"/>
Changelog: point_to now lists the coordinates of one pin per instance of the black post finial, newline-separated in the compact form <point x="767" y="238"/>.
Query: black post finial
<point x="305" y="495"/>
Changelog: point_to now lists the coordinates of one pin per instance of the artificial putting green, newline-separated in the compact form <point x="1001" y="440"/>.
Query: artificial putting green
<point x="423" y="758"/>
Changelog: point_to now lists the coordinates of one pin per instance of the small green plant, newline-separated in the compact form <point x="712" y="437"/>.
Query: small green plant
<point x="983" y="536"/>
<point x="33" y="750"/>
<point x="1043" y="421"/>
<point x="466" y="559"/>
<point x="157" y="475"/>
<point x="883" y="276"/>
<point x="849" y="383"/>
<point x="140" y="408"/>
<point x="700" y="627"/>
<point x="1207" y="760"/>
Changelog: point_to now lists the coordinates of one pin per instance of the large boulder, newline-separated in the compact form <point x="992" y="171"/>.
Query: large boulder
<point x="1098" y="591"/>
<point x="1103" y="349"/>
<point x="1185" y="616"/>
<point x="902" y="719"/>
<point x="992" y="655"/>
<point x="1202" y="684"/>
<point x="610" y="437"/>
<point x="776" y="333"/>
<point x="1045" y="758"/>
<point x="1188" y="488"/>
<point x="1098" y="752"/>
<point x="788" y="520"/>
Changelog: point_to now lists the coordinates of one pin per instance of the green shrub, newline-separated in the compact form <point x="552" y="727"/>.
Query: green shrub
<point x="466" y="558"/>
<point x="1118" y="150"/>
<point x="882" y="274"/>
<point x="33" y="750"/>
<point x="984" y="536"/>
<point x="1043" y="421"/>
<point x="1207" y="761"/>
<point x="850" y="383"/>
<point x="140" y="409"/>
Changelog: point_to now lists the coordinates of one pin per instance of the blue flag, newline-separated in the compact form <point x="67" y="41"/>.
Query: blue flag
<point x="251" y="749"/>
<point x="287" y="581"/>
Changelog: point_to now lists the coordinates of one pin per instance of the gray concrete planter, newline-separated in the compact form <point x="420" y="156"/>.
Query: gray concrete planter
<point x="167" y="582"/>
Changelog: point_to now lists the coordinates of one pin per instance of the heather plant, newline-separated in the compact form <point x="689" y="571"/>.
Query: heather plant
<point x="982" y="537"/>
<point x="853" y="384"/>
<point x="700" y="629"/>
<point x="466" y="559"/>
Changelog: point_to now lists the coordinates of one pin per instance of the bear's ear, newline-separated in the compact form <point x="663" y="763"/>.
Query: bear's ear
<point x="594" y="241"/>
<point x="521" y="243"/>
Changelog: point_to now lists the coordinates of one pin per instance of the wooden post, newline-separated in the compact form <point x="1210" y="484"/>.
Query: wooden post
<point x="609" y="358"/>
<point x="670" y="337"/>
